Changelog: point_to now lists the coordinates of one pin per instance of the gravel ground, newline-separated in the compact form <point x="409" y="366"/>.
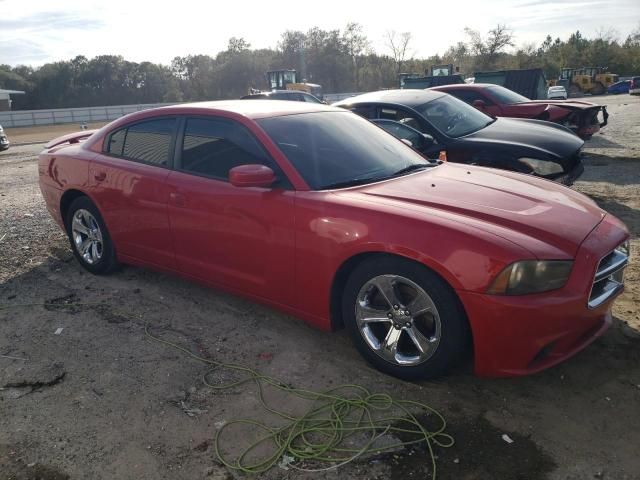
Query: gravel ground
<point x="98" y="399"/>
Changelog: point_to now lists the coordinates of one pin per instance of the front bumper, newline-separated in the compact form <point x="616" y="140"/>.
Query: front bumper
<point x="520" y="335"/>
<point x="572" y="175"/>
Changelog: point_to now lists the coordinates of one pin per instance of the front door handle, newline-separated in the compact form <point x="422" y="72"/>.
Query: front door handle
<point x="177" y="199"/>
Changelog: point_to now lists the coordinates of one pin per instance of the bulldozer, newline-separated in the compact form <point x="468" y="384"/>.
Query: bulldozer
<point x="593" y="80"/>
<point x="288" y="80"/>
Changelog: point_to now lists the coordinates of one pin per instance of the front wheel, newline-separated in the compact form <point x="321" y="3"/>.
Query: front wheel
<point x="404" y="319"/>
<point x="89" y="237"/>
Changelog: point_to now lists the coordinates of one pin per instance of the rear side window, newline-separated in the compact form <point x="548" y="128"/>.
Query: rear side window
<point x="116" y="142"/>
<point x="212" y="147"/>
<point x="150" y="142"/>
<point x="147" y="142"/>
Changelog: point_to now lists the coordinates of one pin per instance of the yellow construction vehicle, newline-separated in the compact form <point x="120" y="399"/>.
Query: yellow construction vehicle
<point x="288" y="80"/>
<point x="593" y="80"/>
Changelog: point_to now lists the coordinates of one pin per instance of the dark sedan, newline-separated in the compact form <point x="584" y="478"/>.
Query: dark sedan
<point x="434" y="122"/>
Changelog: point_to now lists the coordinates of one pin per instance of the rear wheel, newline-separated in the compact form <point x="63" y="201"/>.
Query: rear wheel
<point x="89" y="237"/>
<point x="404" y="319"/>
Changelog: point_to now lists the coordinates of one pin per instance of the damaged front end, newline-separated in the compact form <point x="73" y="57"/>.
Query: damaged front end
<point x="586" y="122"/>
<point x="583" y="118"/>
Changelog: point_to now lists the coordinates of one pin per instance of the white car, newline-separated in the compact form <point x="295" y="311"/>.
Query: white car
<point x="634" y="88"/>
<point x="557" y="93"/>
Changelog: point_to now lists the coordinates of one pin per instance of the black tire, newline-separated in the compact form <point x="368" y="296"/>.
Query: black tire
<point x="107" y="261"/>
<point x="454" y="339"/>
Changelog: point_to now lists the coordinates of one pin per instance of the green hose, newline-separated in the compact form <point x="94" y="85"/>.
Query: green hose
<point x="318" y="436"/>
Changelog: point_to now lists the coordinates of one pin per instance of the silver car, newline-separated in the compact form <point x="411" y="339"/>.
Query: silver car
<point x="4" y="141"/>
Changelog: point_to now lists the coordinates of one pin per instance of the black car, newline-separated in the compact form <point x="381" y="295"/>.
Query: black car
<point x="4" y="141"/>
<point x="294" y="95"/>
<point x="434" y="122"/>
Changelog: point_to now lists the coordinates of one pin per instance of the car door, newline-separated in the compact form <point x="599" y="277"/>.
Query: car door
<point x="236" y="237"/>
<point x="128" y="185"/>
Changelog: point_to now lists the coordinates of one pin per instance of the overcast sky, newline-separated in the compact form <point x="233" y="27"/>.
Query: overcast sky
<point x="34" y="32"/>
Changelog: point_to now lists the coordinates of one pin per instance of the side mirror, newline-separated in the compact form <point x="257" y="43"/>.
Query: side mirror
<point x="251" y="176"/>
<point x="428" y="140"/>
<point x="479" y="104"/>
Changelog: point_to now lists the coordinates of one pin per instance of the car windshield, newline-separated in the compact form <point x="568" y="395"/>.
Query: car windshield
<point x="506" y="96"/>
<point x="340" y="149"/>
<point x="453" y="117"/>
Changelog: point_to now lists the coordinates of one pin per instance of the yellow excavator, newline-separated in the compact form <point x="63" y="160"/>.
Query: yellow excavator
<point x="593" y="80"/>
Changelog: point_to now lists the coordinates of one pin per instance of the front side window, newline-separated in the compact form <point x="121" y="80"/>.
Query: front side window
<point x="468" y="96"/>
<point x="453" y="117"/>
<point x="402" y="131"/>
<point x="506" y="96"/>
<point x="310" y="99"/>
<point x="400" y="115"/>
<point x="339" y="149"/>
<point x="212" y="147"/>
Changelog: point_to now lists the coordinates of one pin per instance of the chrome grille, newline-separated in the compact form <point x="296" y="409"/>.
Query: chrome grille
<point x="609" y="277"/>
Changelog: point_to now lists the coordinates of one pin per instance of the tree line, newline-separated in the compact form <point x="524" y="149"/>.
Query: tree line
<point x="339" y="60"/>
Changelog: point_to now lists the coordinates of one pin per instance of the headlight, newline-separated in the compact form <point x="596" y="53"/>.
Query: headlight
<point x="624" y="248"/>
<point x="531" y="276"/>
<point x="542" y="167"/>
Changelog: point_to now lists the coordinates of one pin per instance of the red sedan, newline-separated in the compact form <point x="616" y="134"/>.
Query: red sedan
<point x="579" y="116"/>
<point x="321" y="214"/>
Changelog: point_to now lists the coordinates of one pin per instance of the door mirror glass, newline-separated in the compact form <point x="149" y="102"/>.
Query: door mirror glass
<point x="428" y="140"/>
<point x="252" y="175"/>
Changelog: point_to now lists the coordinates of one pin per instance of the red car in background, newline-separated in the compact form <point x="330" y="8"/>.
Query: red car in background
<point x="318" y="212"/>
<point x="581" y="117"/>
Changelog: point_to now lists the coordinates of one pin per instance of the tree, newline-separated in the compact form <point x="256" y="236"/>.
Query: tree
<point x="355" y="45"/>
<point x="237" y="45"/>
<point x="399" y="46"/>
<point x="487" y="51"/>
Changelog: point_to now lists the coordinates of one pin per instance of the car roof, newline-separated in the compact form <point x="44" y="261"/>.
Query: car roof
<point x="465" y="86"/>
<point x="249" y="108"/>
<point x="409" y="97"/>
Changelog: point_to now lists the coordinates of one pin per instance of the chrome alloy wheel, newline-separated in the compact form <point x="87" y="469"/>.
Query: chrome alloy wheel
<point x="398" y="320"/>
<point x="87" y="236"/>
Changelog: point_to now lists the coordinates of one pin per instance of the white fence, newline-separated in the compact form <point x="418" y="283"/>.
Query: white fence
<point x="29" y="118"/>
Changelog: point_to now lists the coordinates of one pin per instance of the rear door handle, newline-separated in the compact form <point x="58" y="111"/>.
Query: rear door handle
<point x="100" y="176"/>
<point x="177" y="199"/>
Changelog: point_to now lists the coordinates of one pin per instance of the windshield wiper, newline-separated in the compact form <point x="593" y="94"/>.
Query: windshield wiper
<point x="414" y="167"/>
<point x="360" y="181"/>
<point x="351" y="183"/>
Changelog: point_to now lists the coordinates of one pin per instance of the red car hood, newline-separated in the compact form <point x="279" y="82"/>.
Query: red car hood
<point x="523" y="205"/>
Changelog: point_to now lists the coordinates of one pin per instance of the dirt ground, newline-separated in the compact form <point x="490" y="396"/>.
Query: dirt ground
<point x="85" y="394"/>
<point x="42" y="134"/>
